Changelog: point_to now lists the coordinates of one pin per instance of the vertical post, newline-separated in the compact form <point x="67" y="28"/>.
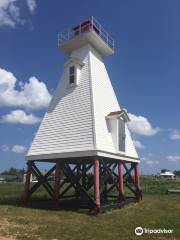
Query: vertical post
<point x="92" y="22"/>
<point x="104" y="183"/>
<point x="57" y="183"/>
<point x="121" y="180"/>
<point x="96" y="185"/>
<point x="78" y="176"/>
<point x="137" y="181"/>
<point x="84" y="175"/>
<point x="27" y="182"/>
<point x="83" y="179"/>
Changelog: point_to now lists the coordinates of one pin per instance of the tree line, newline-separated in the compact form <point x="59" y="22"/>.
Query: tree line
<point x="14" y="172"/>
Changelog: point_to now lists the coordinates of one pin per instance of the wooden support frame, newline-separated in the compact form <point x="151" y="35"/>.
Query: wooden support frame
<point x="42" y="180"/>
<point x="121" y="180"/>
<point x="137" y="183"/>
<point x="57" y="183"/>
<point x="96" y="183"/>
<point x="27" y="183"/>
<point x="78" y="174"/>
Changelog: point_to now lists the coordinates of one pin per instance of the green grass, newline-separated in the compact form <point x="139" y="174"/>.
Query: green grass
<point x="157" y="210"/>
<point x="158" y="186"/>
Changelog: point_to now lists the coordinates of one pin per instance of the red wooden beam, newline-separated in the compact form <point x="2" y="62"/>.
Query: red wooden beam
<point x="137" y="179"/>
<point x="27" y="182"/>
<point x="96" y="184"/>
<point x="137" y="182"/>
<point x="121" y="180"/>
<point x="57" y="183"/>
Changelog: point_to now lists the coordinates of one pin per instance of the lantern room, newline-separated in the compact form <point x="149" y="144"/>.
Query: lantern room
<point x="88" y="32"/>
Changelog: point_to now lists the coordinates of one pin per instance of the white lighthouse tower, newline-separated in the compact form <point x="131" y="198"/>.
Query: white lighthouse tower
<point x="84" y="125"/>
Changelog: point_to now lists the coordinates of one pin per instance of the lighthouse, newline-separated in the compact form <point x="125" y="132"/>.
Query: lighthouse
<point x="84" y="132"/>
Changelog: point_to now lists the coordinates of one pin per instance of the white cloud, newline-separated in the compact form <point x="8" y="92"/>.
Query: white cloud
<point x="19" y="116"/>
<point x="31" y="95"/>
<point x="149" y="161"/>
<point x="19" y="149"/>
<point x="175" y="135"/>
<point x="4" y="148"/>
<point x="141" y="126"/>
<point x="9" y="13"/>
<point x="138" y="144"/>
<point x="15" y="148"/>
<point x="173" y="158"/>
<point x="31" y="5"/>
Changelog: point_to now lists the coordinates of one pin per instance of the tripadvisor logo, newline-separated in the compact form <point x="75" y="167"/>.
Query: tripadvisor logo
<point x="139" y="231"/>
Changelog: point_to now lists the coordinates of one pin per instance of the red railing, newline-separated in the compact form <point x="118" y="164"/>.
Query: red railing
<point x="89" y="25"/>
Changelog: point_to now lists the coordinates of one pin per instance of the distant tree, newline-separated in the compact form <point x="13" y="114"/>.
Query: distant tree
<point x="177" y="172"/>
<point x="13" y="171"/>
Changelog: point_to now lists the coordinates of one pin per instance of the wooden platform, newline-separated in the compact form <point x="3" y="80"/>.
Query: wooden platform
<point x="98" y="184"/>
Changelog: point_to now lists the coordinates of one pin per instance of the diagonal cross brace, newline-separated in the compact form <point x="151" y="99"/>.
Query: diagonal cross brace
<point x="128" y="173"/>
<point x="75" y="182"/>
<point x="42" y="180"/>
<point x="111" y="173"/>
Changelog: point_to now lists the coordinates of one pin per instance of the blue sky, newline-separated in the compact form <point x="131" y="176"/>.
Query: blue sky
<point x="144" y="71"/>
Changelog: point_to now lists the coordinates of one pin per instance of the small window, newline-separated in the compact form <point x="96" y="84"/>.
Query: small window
<point x="72" y="75"/>
<point x="122" y="135"/>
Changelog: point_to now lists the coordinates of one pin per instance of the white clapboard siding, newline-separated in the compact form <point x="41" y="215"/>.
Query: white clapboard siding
<point x="105" y="101"/>
<point x="130" y="148"/>
<point x="68" y="122"/>
<point x="75" y="123"/>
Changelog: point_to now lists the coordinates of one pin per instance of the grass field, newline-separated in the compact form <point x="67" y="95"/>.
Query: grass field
<point x="157" y="210"/>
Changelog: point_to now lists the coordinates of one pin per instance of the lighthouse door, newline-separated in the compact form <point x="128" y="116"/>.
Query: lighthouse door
<point x="121" y="135"/>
